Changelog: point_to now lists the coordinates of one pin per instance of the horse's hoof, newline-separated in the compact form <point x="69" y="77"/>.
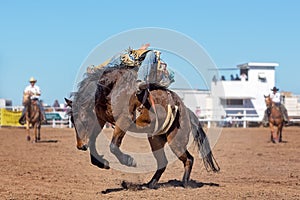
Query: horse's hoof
<point x="100" y="162"/>
<point x="152" y="184"/>
<point x="128" y="161"/>
<point x="28" y="138"/>
<point x="131" y="162"/>
<point x="185" y="185"/>
<point x="275" y="141"/>
<point x="83" y="147"/>
<point x="106" y="165"/>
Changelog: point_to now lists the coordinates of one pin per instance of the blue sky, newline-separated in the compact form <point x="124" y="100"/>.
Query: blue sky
<point x="51" y="39"/>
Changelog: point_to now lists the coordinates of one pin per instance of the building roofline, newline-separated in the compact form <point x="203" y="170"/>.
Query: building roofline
<point x="190" y="89"/>
<point x="258" y="64"/>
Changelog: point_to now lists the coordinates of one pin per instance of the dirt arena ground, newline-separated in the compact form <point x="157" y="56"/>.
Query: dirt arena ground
<point x="251" y="168"/>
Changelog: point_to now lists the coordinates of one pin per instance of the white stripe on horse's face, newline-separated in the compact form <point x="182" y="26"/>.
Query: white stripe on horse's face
<point x="268" y="101"/>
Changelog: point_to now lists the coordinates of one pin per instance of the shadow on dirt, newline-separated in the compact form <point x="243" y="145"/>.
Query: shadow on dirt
<point x="171" y="183"/>
<point x="48" y="141"/>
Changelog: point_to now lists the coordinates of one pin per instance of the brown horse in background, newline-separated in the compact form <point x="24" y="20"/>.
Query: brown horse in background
<point x="108" y="95"/>
<point x="275" y="118"/>
<point x="32" y="116"/>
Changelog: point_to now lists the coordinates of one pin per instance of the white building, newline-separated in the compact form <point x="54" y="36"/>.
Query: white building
<point x="246" y="96"/>
<point x="197" y="100"/>
<point x="242" y="99"/>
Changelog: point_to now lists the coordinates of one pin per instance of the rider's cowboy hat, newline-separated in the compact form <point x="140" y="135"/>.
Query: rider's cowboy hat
<point x="275" y="89"/>
<point x="32" y="80"/>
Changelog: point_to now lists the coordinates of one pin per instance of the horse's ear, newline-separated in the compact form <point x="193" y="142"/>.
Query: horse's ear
<point x="68" y="102"/>
<point x="266" y="96"/>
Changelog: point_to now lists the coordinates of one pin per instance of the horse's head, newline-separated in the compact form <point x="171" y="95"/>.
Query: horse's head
<point x="84" y="121"/>
<point x="268" y="100"/>
<point x="26" y="98"/>
<point x="78" y="127"/>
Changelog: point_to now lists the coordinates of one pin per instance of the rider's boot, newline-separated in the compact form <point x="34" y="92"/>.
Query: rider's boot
<point x="22" y="119"/>
<point x="285" y="115"/>
<point x="43" y="118"/>
<point x="286" y="119"/>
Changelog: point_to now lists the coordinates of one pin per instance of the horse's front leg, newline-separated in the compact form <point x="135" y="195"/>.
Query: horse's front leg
<point x="97" y="159"/>
<point x="115" y="144"/>
<point x="39" y="132"/>
<point x="274" y="137"/>
<point x="28" y="130"/>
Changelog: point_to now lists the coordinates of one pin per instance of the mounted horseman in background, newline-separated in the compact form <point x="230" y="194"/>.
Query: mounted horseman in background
<point x="275" y="96"/>
<point x="33" y="113"/>
<point x="34" y="93"/>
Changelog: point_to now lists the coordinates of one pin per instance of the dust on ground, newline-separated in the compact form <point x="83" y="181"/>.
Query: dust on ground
<point x="251" y="168"/>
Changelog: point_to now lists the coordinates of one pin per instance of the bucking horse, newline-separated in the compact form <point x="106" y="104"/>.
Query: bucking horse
<point x="109" y="95"/>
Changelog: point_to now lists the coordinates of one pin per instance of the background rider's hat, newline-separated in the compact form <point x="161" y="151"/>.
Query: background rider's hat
<point x="275" y="89"/>
<point x="32" y="80"/>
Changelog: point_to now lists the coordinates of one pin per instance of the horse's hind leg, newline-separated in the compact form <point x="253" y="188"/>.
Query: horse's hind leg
<point x="35" y="132"/>
<point x="178" y="145"/>
<point x="39" y="132"/>
<point x="280" y="133"/>
<point x="157" y="144"/>
<point x="187" y="160"/>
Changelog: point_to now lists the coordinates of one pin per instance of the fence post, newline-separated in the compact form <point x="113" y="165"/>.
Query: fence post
<point x="244" y="117"/>
<point x="70" y="123"/>
<point x="53" y="123"/>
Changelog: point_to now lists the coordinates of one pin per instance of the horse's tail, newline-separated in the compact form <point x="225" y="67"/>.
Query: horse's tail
<point x="203" y="145"/>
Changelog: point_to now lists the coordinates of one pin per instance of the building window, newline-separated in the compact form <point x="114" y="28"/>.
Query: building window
<point x="234" y="102"/>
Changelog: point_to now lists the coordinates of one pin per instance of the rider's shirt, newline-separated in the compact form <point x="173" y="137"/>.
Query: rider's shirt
<point x="275" y="97"/>
<point x="35" y="90"/>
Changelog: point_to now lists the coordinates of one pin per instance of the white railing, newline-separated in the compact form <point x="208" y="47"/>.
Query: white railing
<point x="237" y="119"/>
<point x="59" y="123"/>
<point x="63" y="122"/>
<point x="241" y="119"/>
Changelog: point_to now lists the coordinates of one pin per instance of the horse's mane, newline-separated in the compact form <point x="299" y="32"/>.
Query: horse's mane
<point x="85" y="94"/>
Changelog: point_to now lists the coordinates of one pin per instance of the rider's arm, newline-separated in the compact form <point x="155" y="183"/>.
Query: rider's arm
<point x="28" y="90"/>
<point x="37" y="91"/>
